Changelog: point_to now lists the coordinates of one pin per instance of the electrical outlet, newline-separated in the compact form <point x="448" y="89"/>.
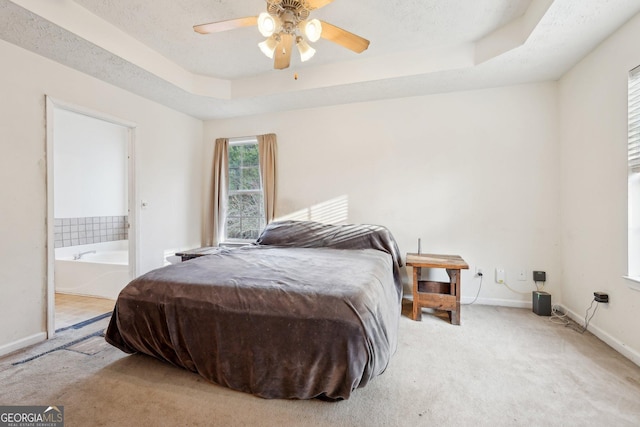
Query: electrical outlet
<point x="522" y="275"/>
<point x="479" y="271"/>
<point x="500" y="275"/>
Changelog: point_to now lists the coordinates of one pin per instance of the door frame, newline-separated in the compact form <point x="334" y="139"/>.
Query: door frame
<point x="53" y="104"/>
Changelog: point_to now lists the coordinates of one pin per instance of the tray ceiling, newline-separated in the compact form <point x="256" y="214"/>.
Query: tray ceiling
<point x="417" y="47"/>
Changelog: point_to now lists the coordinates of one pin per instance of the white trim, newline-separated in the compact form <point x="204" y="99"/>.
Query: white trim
<point x="63" y="105"/>
<point x="50" y="247"/>
<point x="497" y="302"/>
<point x="634" y="282"/>
<point x="134" y="211"/>
<point x="612" y="342"/>
<point x="22" y="343"/>
<point x="133" y="208"/>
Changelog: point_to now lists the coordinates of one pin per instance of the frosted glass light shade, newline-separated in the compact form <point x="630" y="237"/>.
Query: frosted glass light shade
<point x="313" y="30"/>
<point x="266" y="24"/>
<point x="268" y="46"/>
<point x="306" y="51"/>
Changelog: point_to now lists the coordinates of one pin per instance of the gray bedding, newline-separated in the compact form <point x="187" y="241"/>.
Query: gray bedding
<point x="274" y="321"/>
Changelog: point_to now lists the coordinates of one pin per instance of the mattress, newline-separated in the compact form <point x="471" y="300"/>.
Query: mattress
<point x="270" y="320"/>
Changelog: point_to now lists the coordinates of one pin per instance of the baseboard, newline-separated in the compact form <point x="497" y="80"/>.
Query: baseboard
<point x="612" y="342"/>
<point x="498" y="302"/>
<point x="22" y="343"/>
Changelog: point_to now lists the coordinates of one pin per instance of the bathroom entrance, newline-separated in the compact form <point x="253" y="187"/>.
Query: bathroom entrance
<point x="91" y="231"/>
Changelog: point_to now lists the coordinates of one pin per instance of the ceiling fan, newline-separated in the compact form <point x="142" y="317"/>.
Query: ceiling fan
<point x="286" y="22"/>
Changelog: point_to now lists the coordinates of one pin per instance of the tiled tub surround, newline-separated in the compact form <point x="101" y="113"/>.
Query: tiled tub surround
<point x="88" y="230"/>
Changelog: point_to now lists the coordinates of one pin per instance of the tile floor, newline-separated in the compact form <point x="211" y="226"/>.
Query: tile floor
<point x="72" y="309"/>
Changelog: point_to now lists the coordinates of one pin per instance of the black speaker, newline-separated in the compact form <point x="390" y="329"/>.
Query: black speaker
<point x="541" y="303"/>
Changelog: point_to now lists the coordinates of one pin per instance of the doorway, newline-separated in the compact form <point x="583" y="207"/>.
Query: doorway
<point x="91" y="215"/>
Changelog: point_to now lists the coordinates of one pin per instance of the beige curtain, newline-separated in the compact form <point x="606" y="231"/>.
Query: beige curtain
<point x="218" y="204"/>
<point x="267" y="148"/>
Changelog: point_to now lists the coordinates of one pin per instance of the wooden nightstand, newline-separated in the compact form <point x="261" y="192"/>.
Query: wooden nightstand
<point x="195" y="253"/>
<point x="438" y="295"/>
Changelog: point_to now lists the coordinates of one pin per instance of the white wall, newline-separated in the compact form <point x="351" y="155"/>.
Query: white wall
<point x="593" y="117"/>
<point x="169" y="158"/>
<point x="471" y="173"/>
<point x="525" y="177"/>
<point x="90" y="173"/>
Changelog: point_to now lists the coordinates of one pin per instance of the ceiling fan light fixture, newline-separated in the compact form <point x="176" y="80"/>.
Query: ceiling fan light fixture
<point x="313" y="30"/>
<point x="286" y="22"/>
<point x="268" y="46"/>
<point x="266" y="24"/>
<point x="306" y="51"/>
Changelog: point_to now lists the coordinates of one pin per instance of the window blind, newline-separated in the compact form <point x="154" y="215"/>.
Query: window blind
<point x="634" y="121"/>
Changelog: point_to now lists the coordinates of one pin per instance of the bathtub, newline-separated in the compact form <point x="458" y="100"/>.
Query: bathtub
<point x="101" y="274"/>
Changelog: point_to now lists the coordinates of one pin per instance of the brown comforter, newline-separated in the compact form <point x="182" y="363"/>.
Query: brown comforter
<point x="277" y="322"/>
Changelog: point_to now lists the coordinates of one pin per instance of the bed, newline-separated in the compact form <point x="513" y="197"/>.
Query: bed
<point x="311" y="310"/>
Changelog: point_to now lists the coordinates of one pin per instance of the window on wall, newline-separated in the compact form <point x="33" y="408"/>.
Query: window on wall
<point x="634" y="176"/>
<point x="245" y="208"/>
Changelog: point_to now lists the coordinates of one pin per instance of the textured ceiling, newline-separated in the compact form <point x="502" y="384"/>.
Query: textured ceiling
<point x="390" y="25"/>
<point x="417" y="47"/>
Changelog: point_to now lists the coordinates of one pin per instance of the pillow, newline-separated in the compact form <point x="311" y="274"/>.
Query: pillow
<point x="309" y="234"/>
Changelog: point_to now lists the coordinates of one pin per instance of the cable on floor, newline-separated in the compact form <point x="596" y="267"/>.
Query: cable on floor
<point x="477" y="293"/>
<point x="557" y="316"/>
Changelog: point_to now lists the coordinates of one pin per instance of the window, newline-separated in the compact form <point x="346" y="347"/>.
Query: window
<point x="245" y="217"/>
<point x="634" y="176"/>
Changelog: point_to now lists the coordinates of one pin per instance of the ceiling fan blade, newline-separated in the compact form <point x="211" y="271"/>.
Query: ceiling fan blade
<point x="282" y="54"/>
<point x="317" y="4"/>
<point x="231" y="24"/>
<point x="344" y="38"/>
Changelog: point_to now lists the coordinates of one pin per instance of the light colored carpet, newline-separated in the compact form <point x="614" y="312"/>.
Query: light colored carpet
<point x="501" y="367"/>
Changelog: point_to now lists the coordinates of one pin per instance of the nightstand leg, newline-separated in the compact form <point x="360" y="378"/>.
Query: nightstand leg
<point x="454" y="287"/>
<point x="417" y="311"/>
